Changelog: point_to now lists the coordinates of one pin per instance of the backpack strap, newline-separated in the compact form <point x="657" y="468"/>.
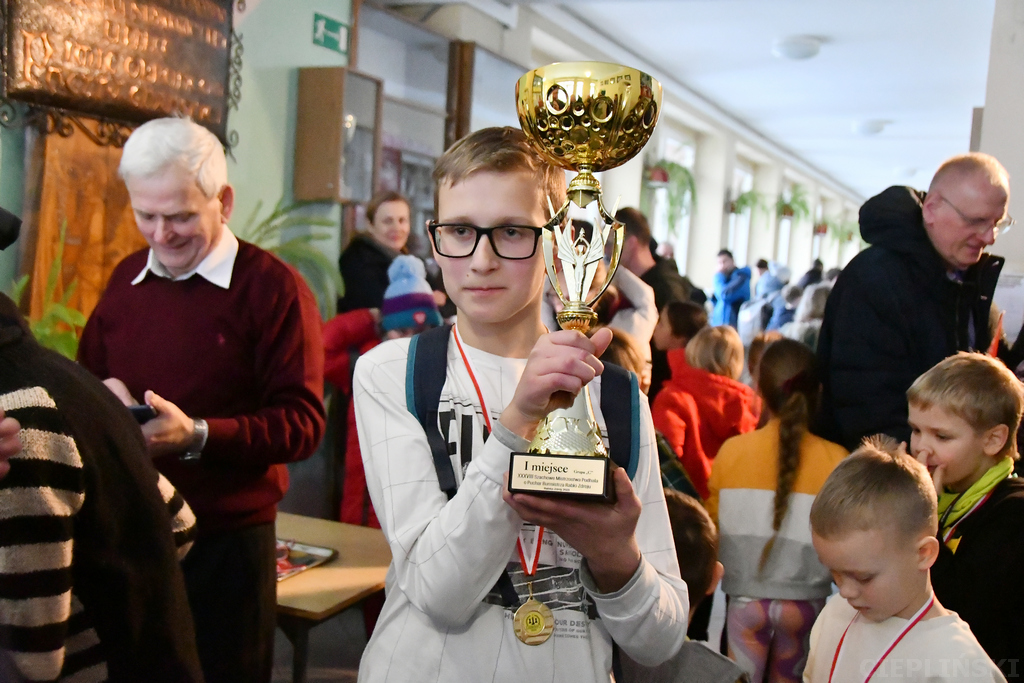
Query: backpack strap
<point x="425" y="374"/>
<point x="619" y="387"/>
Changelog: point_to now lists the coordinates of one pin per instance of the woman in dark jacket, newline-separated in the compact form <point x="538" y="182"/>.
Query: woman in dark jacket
<point x="364" y="263"/>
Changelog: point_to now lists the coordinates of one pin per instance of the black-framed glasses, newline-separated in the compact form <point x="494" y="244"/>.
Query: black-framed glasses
<point x="982" y="224"/>
<point x="459" y="240"/>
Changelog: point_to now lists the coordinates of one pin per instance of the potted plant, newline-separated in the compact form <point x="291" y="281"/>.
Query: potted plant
<point x="321" y="274"/>
<point x="682" y="190"/>
<point x="59" y="325"/>
<point x="795" y="205"/>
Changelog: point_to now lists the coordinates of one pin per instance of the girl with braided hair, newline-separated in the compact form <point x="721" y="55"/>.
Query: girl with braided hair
<point x="761" y="489"/>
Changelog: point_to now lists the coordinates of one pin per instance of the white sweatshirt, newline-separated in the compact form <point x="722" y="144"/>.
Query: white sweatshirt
<point x="439" y="622"/>
<point x="933" y="651"/>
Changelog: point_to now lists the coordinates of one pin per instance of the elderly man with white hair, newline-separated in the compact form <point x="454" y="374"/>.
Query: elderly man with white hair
<point x="223" y="341"/>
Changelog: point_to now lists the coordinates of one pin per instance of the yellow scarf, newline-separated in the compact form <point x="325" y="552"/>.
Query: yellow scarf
<point x="962" y="503"/>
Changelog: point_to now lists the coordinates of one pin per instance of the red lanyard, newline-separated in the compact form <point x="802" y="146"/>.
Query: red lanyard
<point x="913" y="622"/>
<point x="529" y="563"/>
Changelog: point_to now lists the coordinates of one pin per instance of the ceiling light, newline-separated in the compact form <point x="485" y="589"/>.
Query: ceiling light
<point x="869" y="127"/>
<point x="796" y="47"/>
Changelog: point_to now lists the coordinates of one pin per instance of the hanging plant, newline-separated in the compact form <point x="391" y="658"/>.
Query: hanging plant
<point x="795" y="205"/>
<point x="747" y="200"/>
<point x="682" y="189"/>
<point x="821" y="228"/>
<point x="321" y="274"/>
<point x="845" y="231"/>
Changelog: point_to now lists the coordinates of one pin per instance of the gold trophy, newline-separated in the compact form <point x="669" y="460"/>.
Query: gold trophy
<point x="587" y="117"/>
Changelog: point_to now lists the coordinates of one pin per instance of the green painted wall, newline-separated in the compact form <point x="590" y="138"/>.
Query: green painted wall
<point x="12" y="184"/>
<point x="277" y="36"/>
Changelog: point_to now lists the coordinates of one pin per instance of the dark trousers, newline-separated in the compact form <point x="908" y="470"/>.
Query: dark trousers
<point x="231" y="582"/>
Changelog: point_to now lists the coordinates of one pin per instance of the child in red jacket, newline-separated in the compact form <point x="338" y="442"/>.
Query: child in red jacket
<point x="705" y="400"/>
<point x="675" y="415"/>
<point x="408" y="308"/>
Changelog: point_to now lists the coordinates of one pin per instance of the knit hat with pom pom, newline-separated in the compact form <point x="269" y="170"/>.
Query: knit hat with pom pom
<point x="408" y="301"/>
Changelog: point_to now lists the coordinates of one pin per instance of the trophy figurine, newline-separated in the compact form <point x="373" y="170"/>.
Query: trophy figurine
<point x="587" y="117"/>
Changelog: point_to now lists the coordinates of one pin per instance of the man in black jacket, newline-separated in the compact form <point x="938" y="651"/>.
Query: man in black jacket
<point x="921" y="292"/>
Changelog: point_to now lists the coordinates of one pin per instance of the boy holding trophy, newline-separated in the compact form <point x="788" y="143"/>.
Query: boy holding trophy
<point x="485" y="584"/>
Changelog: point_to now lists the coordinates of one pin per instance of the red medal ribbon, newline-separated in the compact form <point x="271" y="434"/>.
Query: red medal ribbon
<point x="913" y="622"/>
<point x="529" y="567"/>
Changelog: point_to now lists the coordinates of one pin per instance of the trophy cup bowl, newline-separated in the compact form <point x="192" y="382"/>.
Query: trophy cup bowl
<point x="587" y="117"/>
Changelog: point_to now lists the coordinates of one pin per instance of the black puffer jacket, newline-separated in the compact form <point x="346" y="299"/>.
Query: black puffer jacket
<point x="892" y="315"/>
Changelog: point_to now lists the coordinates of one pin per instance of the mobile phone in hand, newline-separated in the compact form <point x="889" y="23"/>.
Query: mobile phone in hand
<point x="142" y="413"/>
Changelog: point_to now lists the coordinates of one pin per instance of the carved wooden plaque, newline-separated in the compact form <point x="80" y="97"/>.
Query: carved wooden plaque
<point x="80" y="189"/>
<point x="121" y="59"/>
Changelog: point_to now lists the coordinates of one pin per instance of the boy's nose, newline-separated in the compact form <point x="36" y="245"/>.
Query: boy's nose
<point x="484" y="257"/>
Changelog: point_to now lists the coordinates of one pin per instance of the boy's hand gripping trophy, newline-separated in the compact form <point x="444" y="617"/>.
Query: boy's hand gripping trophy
<point x="583" y="116"/>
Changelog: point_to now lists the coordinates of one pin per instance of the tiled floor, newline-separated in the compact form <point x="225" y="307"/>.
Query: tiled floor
<point x="334" y="650"/>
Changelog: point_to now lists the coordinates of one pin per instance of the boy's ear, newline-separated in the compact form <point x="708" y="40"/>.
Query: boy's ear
<point x="927" y="552"/>
<point x="716" y="577"/>
<point x="994" y="439"/>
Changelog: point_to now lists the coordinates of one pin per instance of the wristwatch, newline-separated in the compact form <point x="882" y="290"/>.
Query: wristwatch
<point x="201" y="431"/>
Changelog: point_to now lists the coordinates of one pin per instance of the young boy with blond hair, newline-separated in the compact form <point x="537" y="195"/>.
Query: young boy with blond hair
<point x="462" y="565"/>
<point x="964" y="415"/>
<point x="873" y="525"/>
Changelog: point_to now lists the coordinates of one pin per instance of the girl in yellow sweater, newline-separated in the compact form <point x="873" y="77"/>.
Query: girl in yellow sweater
<point x="761" y="489"/>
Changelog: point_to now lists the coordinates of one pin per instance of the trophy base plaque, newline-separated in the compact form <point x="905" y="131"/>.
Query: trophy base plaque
<point x="577" y="477"/>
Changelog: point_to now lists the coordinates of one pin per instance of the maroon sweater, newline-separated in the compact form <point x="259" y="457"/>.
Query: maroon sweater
<point x="249" y="360"/>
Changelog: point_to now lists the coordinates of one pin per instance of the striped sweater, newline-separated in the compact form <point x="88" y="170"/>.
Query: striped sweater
<point x="90" y="533"/>
<point x="742" y="503"/>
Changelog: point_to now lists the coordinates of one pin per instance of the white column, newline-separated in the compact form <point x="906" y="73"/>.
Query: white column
<point x="1002" y="132"/>
<point x="716" y="158"/>
<point x="833" y="211"/>
<point x="623" y="183"/>
<point x="802" y="236"/>
<point x="763" y="221"/>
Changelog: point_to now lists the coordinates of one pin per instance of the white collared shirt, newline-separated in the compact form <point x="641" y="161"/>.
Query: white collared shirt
<point x="216" y="267"/>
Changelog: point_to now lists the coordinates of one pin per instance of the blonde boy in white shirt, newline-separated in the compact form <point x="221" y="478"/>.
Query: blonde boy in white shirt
<point x="873" y="524"/>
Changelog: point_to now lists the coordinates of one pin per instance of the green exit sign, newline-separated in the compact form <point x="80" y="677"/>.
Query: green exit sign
<point x="330" y="33"/>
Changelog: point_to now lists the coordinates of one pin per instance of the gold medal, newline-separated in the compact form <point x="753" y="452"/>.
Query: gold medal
<point x="533" y="621"/>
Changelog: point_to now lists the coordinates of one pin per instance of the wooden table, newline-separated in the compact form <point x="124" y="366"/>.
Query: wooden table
<point x="315" y="595"/>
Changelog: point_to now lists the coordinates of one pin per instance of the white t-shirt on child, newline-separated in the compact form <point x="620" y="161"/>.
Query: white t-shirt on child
<point x="938" y="649"/>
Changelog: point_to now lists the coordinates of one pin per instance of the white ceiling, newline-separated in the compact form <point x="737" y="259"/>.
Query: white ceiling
<point x="920" y="64"/>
